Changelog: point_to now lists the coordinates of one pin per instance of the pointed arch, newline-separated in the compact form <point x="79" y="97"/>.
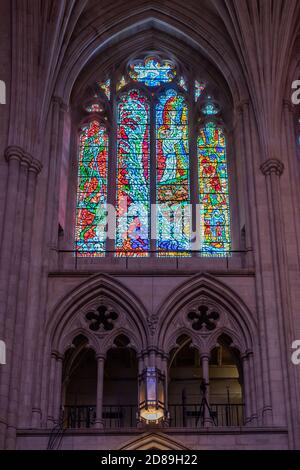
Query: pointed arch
<point x="127" y="28"/>
<point x="153" y="440"/>
<point x="102" y="287"/>
<point x="217" y="294"/>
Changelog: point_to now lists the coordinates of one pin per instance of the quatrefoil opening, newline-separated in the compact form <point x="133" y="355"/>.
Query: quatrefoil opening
<point x="101" y="319"/>
<point x="202" y="317"/>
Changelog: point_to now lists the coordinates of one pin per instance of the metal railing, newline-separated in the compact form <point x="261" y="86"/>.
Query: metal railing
<point x="128" y="255"/>
<point x="180" y="415"/>
<point x="114" y="416"/>
<point x="119" y="416"/>
<point x="221" y="414"/>
<point x="79" y="416"/>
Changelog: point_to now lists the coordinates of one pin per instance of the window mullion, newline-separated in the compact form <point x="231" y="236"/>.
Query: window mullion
<point x="153" y="163"/>
<point x="193" y="161"/>
<point x="112" y="165"/>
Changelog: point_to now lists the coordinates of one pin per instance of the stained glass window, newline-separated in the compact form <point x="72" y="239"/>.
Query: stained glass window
<point x="213" y="186"/>
<point x="210" y="109"/>
<point x="151" y="124"/>
<point x="182" y="83"/>
<point x="92" y="190"/>
<point x="105" y="86"/>
<point x="122" y="82"/>
<point x="199" y="87"/>
<point x="133" y="181"/>
<point x="172" y="173"/>
<point x="152" y="72"/>
<point x="94" y="108"/>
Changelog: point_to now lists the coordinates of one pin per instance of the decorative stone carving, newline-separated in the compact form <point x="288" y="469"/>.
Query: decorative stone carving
<point x="152" y="323"/>
<point x="15" y="152"/>
<point x="203" y="317"/>
<point x="102" y="319"/>
<point x="272" y="165"/>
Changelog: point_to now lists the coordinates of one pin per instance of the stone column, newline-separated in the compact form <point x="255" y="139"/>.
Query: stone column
<point x="165" y="359"/>
<point x="100" y="379"/>
<point x="252" y="389"/>
<point x="13" y="156"/>
<point x="57" y="397"/>
<point x="50" y="417"/>
<point x="246" y="388"/>
<point x="249" y="144"/>
<point x="16" y="240"/>
<point x="204" y="357"/>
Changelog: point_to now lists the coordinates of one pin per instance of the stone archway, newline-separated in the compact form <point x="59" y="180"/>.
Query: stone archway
<point x="153" y="441"/>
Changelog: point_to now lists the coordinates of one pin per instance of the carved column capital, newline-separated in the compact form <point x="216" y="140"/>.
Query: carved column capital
<point x="14" y="152"/>
<point x="100" y="357"/>
<point x="57" y="355"/>
<point x="272" y="166"/>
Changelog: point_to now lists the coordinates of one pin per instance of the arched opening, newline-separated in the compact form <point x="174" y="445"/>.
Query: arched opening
<point x="79" y="386"/>
<point x="120" y="388"/>
<point x="226" y="383"/>
<point x="203" y="389"/>
<point x="184" y="394"/>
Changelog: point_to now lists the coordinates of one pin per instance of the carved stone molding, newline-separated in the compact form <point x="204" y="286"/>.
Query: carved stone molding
<point x="17" y="153"/>
<point x="272" y="165"/>
<point x="152" y="321"/>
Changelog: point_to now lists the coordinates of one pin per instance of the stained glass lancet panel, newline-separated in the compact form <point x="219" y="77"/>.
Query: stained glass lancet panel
<point x="90" y="233"/>
<point x="133" y="181"/>
<point x="214" y="198"/>
<point x="172" y="174"/>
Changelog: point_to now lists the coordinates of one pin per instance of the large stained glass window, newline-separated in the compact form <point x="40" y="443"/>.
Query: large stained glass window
<point x="133" y="180"/>
<point x="213" y="191"/>
<point x="92" y="190"/>
<point x="148" y="105"/>
<point x="172" y="173"/>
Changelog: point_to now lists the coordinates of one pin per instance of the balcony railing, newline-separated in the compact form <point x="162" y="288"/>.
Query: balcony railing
<point x="79" y="416"/>
<point x="114" y="416"/>
<point x="192" y="416"/>
<point x="186" y="416"/>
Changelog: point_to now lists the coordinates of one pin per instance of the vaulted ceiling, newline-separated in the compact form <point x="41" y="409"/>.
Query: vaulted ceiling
<point x="253" y="45"/>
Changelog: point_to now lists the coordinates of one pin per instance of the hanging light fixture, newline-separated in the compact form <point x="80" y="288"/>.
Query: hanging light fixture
<point x="152" y="395"/>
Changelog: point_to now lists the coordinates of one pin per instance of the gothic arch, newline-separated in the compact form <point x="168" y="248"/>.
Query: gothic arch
<point x="153" y="441"/>
<point x="235" y="318"/>
<point x="63" y="323"/>
<point x="125" y="28"/>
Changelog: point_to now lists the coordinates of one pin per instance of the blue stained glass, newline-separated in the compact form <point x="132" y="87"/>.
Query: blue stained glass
<point x="133" y="184"/>
<point x="152" y="72"/>
<point x="172" y="173"/>
<point x="213" y="196"/>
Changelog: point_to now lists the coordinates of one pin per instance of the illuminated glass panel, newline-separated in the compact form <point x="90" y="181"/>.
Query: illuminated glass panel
<point x="172" y="173"/>
<point x="152" y="72"/>
<point x="182" y="83"/>
<point x="210" y="109"/>
<point x="94" y="108"/>
<point x="122" y="82"/>
<point x="90" y="233"/>
<point x="105" y="86"/>
<point x="133" y="184"/>
<point x="199" y="87"/>
<point x="214" y="198"/>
